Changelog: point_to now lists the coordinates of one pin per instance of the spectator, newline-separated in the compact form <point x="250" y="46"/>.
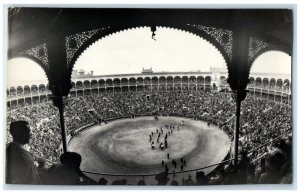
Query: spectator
<point x="102" y="181"/>
<point x="20" y="168"/>
<point x="201" y="179"/>
<point x="162" y="178"/>
<point x="67" y="172"/>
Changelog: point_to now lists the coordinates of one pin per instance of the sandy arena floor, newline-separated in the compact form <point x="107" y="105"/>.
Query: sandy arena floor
<point x="123" y="147"/>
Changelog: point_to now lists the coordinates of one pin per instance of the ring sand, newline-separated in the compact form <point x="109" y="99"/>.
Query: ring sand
<point x="123" y="146"/>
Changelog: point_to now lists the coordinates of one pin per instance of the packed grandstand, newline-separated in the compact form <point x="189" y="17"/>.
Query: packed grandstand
<point x="266" y="125"/>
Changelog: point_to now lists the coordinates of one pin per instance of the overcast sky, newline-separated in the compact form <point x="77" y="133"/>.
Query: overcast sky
<point x="131" y="50"/>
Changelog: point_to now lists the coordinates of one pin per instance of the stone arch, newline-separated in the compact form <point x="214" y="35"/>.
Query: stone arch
<point x="36" y="60"/>
<point x="147" y="80"/>
<point x="251" y="81"/>
<point x="101" y="83"/>
<point x="279" y="83"/>
<point x="94" y="84"/>
<point x="207" y="79"/>
<point x="177" y="79"/>
<point x="185" y="79"/>
<point x="154" y="80"/>
<point x="87" y="84"/>
<point x="192" y="79"/>
<point x="170" y="79"/>
<point x="272" y="83"/>
<point x="283" y="49"/>
<point x="34" y="89"/>
<point x="124" y="81"/>
<point x="162" y="80"/>
<point x="223" y="80"/>
<point x="191" y="29"/>
<point x="108" y="82"/>
<point x="12" y="91"/>
<point x="27" y="90"/>
<point x="200" y="79"/>
<point x="139" y="80"/>
<point x="79" y="85"/>
<point x="258" y="81"/>
<point x="132" y="81"/>
<point x="20" y="91"/>
<point x="116" y="82"/>
<point x="265" y="82"/>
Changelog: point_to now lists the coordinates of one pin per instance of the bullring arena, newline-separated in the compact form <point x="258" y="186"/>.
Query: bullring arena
<point x="110" y="126"/>
<point x="122" y="147"/>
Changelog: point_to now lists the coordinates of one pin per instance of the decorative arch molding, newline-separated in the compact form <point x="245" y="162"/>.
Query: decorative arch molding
<point x="75" y="41"/>
<point x="38" y="54"/>
<point x="258" y="47"/>
<point x="222" y="36"/>
<point x="221" y="39"/>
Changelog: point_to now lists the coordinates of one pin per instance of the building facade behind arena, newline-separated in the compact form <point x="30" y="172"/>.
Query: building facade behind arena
<point x="276" y="87"/>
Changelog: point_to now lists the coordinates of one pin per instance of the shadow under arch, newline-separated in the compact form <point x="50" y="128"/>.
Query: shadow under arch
<point x="114" y="30"/>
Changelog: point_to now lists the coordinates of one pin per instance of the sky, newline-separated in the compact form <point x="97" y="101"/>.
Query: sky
<point x="129" y="51"/>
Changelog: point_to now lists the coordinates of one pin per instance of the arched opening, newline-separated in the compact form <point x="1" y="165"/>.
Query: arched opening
<point x="154" y="80"/>
<point x="207" y="80"/>
<point x="265" y="82"/>
<point x="87" y="84"/>
<point x="272" y="62"/>
<point x="23" y="70"/>
<point x="27" y="90"/>
<point x="101" y="83"/>
<point x="108" y="82"/>
<point x="147" y="80"/>
<point x="117" y="82"/>
<point x="286" y="85"/>
<point x="34" y="90"/>
<point x="79" y="85"/>
<point x="223" y="80"/>
<point x="258" y="82"/>
<point x="192" y="80"/>
<point x="251" y="81"/>
<point x="162" y="80"/>
<point x="200" y="80"/>
<point x="105" y="52"/>
<point x="170" y="80"/>
<point x="279" y="84"/>
<point x="177" y="80"/>
<point x="42" y="89"/>
<point x="185" y="80"/>
<point x="272" y="83"/>
<point x="94" y="84"/>
<point x="132" y="81"/>
<point x="20" y="91"/>
<point x="124" y="82"/>
<point x="140" y="81"/>
<point x="12" y="91"/>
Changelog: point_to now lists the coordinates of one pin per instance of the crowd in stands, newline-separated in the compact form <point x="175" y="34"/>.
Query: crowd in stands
<point x="262" y="122"/>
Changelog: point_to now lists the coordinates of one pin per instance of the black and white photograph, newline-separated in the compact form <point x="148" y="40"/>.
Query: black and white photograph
<point x="149" y="96"/>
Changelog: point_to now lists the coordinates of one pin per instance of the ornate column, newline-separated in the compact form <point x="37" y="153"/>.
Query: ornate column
<point x="238" y="95"/>
<point x="238" y="77"/>
<point x="58" y="101"/>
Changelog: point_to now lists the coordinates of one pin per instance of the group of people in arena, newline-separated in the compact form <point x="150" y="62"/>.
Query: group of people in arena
<point x="265" y="124"/>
